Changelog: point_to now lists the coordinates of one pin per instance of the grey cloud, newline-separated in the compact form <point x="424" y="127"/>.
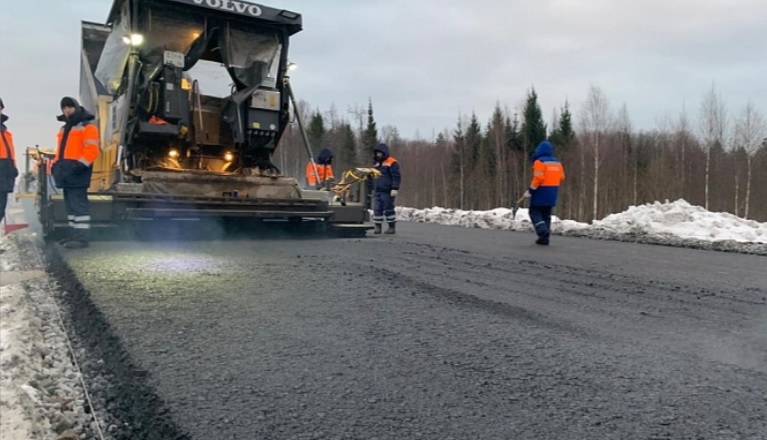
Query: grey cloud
<point x="424" y="61"/>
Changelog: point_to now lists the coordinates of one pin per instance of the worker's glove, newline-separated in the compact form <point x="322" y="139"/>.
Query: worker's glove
<point x="527" y="194"/>
<point x="393" y="193"/>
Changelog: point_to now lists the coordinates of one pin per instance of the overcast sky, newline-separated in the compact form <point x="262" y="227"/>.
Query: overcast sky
<point x="425" y="61"/>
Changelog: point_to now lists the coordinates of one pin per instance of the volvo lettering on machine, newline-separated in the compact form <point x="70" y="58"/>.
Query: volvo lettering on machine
<point x="194" y="97"/>
<point x="239" y="7"/>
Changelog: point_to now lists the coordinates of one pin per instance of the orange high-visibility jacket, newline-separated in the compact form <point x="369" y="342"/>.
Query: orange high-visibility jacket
<point x="8" y="170"/>
<point x="82" y="143"/>
<point x="324" y="171"/>
<point x="548" y="174"/>
<point x="4" y="151"/>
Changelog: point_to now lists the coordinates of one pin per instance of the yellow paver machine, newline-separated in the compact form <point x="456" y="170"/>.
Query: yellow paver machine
<point x="172" y="153"/>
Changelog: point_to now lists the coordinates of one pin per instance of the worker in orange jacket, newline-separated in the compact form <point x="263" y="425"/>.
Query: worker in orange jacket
<point x="8" y="169"/>
<point x="78" y="148"/>
<point x="548" y="174"/>
<point x="386" y="188"/>
<point x="324" y="168"/>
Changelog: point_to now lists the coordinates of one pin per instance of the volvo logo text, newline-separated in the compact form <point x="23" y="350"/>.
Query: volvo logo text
<point x="232" y="6"/>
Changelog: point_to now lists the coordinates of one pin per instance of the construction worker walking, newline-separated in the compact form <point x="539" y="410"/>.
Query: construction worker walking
<point x="386" y="188"/>
<point x="8" y="169"/>
<point x="548" y="174"/>
<point x="78" y="148"/>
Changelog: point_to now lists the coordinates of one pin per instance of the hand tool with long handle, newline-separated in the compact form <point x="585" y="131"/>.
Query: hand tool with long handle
<point x="515" y="207"/>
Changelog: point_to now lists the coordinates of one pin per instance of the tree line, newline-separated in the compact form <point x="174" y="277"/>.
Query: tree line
<point x="710" y="158"/>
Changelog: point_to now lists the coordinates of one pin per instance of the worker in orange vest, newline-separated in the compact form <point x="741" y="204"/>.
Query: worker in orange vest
<point x="324" y="168"/>
<point x="548" y="174"/>
<point x="8" y="170"/>
<point x="386" y="188"/>
<point x="78" y="148"/>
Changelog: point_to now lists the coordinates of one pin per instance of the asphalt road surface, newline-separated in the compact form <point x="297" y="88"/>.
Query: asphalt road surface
<point x="435" y="333"/>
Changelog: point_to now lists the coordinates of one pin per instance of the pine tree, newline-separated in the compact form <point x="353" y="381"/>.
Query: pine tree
<point x="487" y="155"/>
<point x="566" y="124"/>
<point x="459" y="163"/>
<point x="513" y="134"/>
<point x="316" y="132"/>
<point x="370" y="138"/>
<point x="517" y="159"/>
<point x="441" y="140"/>
<point x="486" y="170"/>
<point x="563" y="136"/>
<point x="533" y="127"/>
<point x="347" y="150"/>
<point x="473" y="139"/>
<point x="496" y="137"/>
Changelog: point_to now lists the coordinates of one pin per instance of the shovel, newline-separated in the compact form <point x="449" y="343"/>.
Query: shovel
<point x="8" y="228"/>
<point x="515" y="207"/>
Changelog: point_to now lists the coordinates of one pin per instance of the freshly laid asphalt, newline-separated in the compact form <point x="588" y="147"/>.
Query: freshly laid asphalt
<point x="437" y="332"/>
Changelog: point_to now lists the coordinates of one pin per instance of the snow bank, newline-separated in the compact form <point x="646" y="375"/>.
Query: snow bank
<point x="499" y="218"/>
<point x="677" y="220"/>
<point x="683" y="220"/>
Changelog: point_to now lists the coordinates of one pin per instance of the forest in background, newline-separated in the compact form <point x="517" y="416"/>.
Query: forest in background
<point x="711" y="156"/>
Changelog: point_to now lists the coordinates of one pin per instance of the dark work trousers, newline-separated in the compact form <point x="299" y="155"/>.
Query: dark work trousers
<point x="541" y="218"/>
<point x="384" y="208"/>
<point x="78" y="213"/>
<point x="3" y="204"/>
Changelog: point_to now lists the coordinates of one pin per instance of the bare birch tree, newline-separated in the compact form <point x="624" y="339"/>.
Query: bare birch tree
<point x="595" y="120"/>
<point x="359" y="114"/>
<point x="750" y="131"/>
<point x="735" y="149"/>
<point x="713" y="123"/>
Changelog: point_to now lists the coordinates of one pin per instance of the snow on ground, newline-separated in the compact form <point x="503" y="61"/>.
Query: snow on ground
<point x="40" y="392"/>
<point x="499" y="218"/>
<point x="677" y="220"/>
<point x="683" y="220"/>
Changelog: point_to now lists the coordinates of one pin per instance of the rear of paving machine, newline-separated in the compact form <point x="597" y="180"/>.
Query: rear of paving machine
<point x="170" y="152"/>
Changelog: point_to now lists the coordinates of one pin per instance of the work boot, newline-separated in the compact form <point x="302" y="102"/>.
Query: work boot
<point x="391" y="229"/>
<point x="543" y="240"/>
<point x="377" y="228"/>
<point x="76" y="244"/>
